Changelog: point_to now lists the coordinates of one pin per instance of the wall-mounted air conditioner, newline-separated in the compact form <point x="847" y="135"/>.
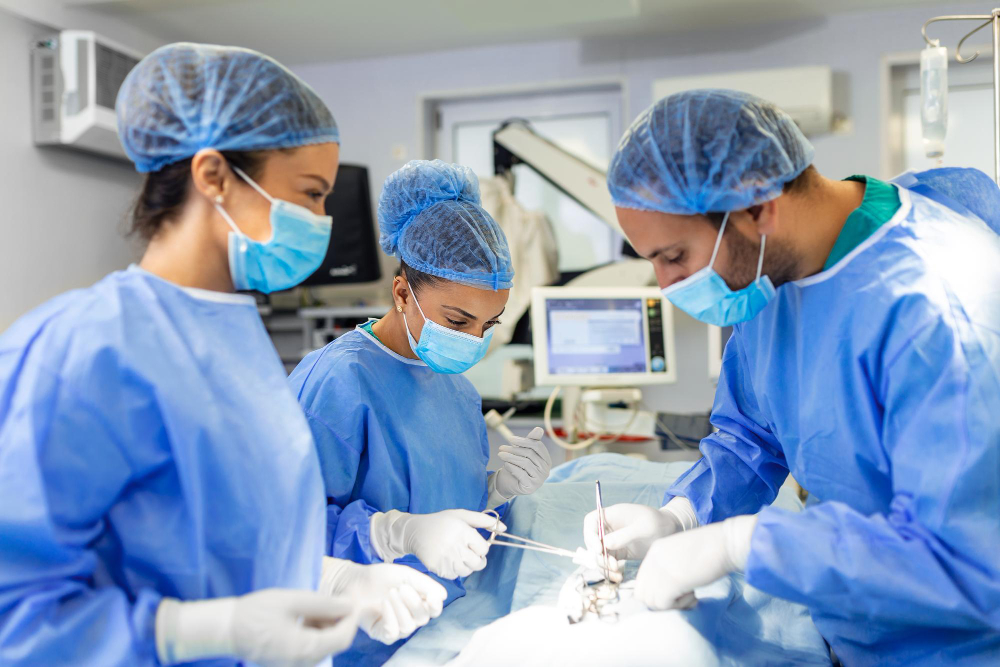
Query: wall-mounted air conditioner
<point x="804" y="93"/>
<point x="75" y="80"/>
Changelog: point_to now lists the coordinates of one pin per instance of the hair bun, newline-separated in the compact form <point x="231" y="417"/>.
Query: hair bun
<point x="414" y="188"/>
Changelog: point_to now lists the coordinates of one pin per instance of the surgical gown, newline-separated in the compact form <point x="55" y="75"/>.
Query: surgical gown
<point x="877" y="384"/>
<point x="391" y="434"/>
<point x="149" y="447"/>
<point x="963" y="189"/>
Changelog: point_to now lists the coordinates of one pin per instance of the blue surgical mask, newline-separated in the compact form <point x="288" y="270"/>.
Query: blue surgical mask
<point x="705" y="295"/>
<point x="298" y="244"/>
<point x="445" y="350"/>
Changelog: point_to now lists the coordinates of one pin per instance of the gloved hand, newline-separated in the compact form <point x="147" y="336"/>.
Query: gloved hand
<point x="678" y="564"/>
<point x="394" y="600"/>
<point x="273" y="627"/>
<point x="631" y="529"/>
<point x="593" y="566"/>
<point x="445" y="542"/>
<point x="526" y="466"/>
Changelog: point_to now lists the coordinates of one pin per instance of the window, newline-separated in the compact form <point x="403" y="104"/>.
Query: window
<point x="588" y="124"/>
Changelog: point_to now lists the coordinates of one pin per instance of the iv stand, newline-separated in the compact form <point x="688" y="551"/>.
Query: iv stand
<point x="987" y="19"/>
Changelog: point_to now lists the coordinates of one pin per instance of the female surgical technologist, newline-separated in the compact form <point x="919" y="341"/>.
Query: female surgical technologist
<point x="865" y="360"/>
<point x="399" y="430"/>
<point x="160" y="496"/>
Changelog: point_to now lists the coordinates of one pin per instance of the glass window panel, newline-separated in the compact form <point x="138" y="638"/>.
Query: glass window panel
<point x="584" y="240"/>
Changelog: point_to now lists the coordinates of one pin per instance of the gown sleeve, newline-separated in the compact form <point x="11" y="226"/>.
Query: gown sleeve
<point x="742" y="465"/>
<point x="67" y="452"/>
<point x="932" y="560"/>
<point x="348" y="531"/>
<point x="484" y="443"/>
<point x="328" y="388"/>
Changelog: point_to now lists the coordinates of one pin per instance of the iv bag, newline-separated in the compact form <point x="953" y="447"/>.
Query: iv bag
<point x="934" y="98"/>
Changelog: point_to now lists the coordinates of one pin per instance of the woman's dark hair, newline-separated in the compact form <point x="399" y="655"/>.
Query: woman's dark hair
<point x="417" y="279"/>
<point x="165" y="191"/>
<point x="799" y="184"/>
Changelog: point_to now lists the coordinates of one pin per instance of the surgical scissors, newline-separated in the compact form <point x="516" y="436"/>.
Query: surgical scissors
<point x="523" y="542"/>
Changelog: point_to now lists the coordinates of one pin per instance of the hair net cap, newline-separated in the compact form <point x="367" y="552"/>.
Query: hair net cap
<point x="707" y="150"/>
<point x="430" y="217"/>
<point x="184" y="97"/>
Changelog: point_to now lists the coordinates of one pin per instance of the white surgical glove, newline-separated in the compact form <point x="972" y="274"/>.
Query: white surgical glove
<point x="526" y="465"/>
<point x="593" y="566"/>
<point x="447" y="542"/>
<point x="394" y="600"/>
<point x="678" y="564"/>
<point x="631" y="529"/>
<point x="273" y="628"/>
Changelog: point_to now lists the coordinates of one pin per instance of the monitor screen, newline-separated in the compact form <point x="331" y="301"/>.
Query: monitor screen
<point x="602" y="336"/>
<point x="596" y="336"/>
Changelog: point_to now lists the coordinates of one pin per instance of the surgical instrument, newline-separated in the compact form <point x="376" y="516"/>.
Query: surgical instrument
<point x="600" y="532"/>
<point x="582" y="599"/>
<point x="523" y="542"/>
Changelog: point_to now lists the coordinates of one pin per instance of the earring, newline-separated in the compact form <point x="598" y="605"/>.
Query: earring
<point x="399" y="309"/>
<point x="218" y="199"/>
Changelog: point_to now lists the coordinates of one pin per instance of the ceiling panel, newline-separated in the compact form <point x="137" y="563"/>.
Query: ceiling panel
<point x="296" y="31"/>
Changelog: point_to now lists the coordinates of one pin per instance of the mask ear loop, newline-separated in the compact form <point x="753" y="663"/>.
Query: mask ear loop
<point x="242" y="174"/>
<point x="225" y="215"/>
<point x="718" y="240"/>
<point x="424" y="317"/>
<point x="414" y="295"/>
<point x="228" y="219"/>
<point x="251" y="182"/>
<point x="409" y="334"/>
<point x="760" y="260"/>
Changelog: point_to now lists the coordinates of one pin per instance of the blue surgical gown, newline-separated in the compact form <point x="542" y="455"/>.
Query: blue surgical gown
<point x="966" y="190"/>
<point x="877" y="384"/>
<point x="149" y="447"/>
<point x="392" y="434"/>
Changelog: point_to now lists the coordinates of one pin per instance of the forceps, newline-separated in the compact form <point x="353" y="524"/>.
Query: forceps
<point x="600" y="533"/>
<point x="523" y="542"/>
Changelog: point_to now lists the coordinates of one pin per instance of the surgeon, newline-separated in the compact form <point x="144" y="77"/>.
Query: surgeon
<point x="399" y="431"/>
<point x="160" y="494"/>
<point x="865" y="360"/>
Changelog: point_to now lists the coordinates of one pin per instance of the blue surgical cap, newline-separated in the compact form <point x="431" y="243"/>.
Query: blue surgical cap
<point x="430" y="217"/>
<point x="707" y="150"/>
<point x="184" y="97"/>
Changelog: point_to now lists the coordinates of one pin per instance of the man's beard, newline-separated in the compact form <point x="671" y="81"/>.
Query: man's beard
<point x="780" y="263"/>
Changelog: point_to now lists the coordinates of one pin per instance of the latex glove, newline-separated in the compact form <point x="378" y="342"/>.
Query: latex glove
<point x="447" y="542"/>
<point x="678" y="564"/>
<point x="593" y="566"/>
<point x="631" y="529"/>
<point x="394" y="600"/>
<point x="273" y="627"/>
<point x="526" y="465"/>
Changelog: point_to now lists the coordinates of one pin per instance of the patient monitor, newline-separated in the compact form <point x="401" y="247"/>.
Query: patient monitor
<point x="602" y="344"/>
<point x="602" y="336"/>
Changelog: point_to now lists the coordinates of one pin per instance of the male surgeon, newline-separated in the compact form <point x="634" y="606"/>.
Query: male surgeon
<point x="864" y="360"/>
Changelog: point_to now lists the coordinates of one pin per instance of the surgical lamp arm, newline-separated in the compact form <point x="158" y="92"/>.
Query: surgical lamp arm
<point x="516" y="143"/>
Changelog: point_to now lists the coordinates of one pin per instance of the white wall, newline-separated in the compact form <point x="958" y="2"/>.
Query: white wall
<point x="61" y="212"/>
<point x="375" y="101"/>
